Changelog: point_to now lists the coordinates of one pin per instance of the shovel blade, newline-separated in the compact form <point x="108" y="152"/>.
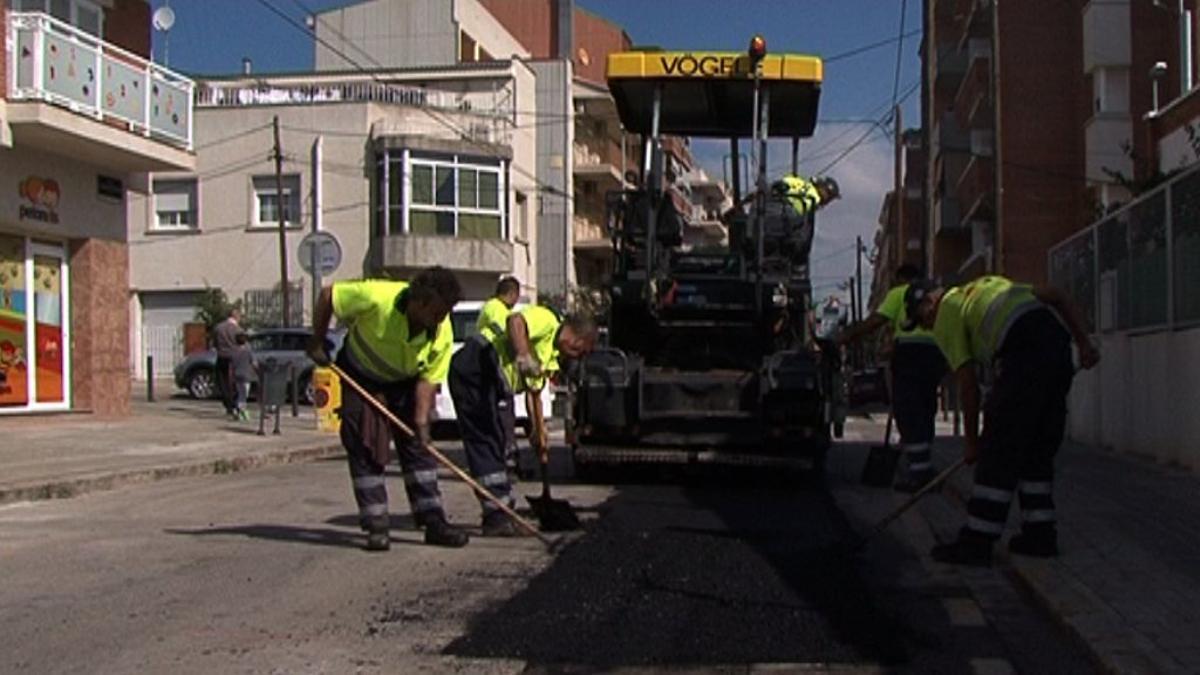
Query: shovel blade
<point x="554" y="515"/>
<point x="880" y="468"/>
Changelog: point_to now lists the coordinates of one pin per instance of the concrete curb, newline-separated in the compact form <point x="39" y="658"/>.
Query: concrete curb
<point x="74" y="487"/>
<point x="1102" y="631"/>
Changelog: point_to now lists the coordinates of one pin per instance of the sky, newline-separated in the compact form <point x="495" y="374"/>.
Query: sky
<point x="211" y="37"/>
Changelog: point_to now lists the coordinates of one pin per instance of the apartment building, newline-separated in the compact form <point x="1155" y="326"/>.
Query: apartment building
<point x="409" y="168"/>
<point x="84" y="117"/>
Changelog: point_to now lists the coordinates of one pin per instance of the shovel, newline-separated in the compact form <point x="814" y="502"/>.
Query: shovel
<point x="881" y="460"/>
<point x="949" y="471"/>
<point x="555" y="515"/>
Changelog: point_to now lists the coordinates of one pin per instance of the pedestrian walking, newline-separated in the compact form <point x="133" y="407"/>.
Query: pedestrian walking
<point x="225" y="336"/>
<point x="917" y="368"/>
<point x="1019" y="337"/>
<point x="484" y="373"/>
<point x="492" y="323"/>
<point x="243" y="374"/>
<point x="397" y="347"/>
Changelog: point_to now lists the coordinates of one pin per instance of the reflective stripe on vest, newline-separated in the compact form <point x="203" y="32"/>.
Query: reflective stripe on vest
<point x="991" y="331"/>
<point x="374" y="364"/>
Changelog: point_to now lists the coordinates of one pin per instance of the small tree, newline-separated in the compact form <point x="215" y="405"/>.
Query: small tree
<point x="213" y="307"/>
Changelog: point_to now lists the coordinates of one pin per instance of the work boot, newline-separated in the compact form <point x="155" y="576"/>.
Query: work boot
<point x="376" y="528"/>
<point x="499" y="524"/>
<point x="969" y="549"/>
<point x="915" y="480"/>
<point x="1035" y="544"/>
<point x="440" y="533"/>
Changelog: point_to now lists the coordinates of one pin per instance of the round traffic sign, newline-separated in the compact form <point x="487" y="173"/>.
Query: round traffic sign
<point x="320" y="251"/>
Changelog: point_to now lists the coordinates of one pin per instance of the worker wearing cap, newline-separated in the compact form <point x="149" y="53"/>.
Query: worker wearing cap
<point x="807" y="195"/>
<point x="398" y="348"/>
<point x="484" y="372"/>
<point x="917" y="367"/>
<point x="492" y="322"/>
<point x="1015" y="333"/>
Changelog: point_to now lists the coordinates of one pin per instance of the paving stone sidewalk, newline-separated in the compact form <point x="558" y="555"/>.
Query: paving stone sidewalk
<point x="1128" y="580"/>
<point x="45" y="457"/>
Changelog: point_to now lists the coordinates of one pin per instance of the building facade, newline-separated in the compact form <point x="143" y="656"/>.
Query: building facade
<point x="417" y="167"/>
<point x="84" y="116"/>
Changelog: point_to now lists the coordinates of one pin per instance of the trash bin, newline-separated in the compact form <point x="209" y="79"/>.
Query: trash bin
<point x="274" y="377"/>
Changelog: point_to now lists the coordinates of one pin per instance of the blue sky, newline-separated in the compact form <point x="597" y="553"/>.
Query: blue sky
<point x="211" y="37"/>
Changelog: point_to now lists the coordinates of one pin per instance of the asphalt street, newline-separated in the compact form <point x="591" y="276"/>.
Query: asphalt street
<point x="262" y="571"/>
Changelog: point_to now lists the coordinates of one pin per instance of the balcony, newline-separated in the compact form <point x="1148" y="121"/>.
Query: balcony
<point x="973" y="101"/>
<point x="949" y="137"/>
<point x="1106" y="135"/>
<point x="947" y="218"/>
<point x="949" y="66"/>
<point x="1107" y="35"/>
<point x="598" y="159"/>
<point x="93" y="101"/>
<point x="589" y="233"/>
<point x="456" y="253"/>
<point x="976" y="188"/>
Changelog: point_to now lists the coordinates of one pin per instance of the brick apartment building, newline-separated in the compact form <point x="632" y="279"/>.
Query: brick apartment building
<point x="74" y="145"/>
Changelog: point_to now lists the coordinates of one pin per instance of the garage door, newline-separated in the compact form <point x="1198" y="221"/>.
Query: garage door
<point x="163" y="316"/>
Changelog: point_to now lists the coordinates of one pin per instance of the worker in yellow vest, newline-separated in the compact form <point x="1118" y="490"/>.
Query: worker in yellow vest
<point x="398" y="347"/>
<point x="917" y="367"/>
<point x="528" y="352"/>
<point x="807" y="195"/>
<point x="492" y="323"/>
<point x="1020" y="337"/>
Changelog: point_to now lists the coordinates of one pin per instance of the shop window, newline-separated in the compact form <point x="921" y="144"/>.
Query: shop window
<point x="34" y="336"/>
<point x="175" y="205"/>
<point x="267" y="207"/>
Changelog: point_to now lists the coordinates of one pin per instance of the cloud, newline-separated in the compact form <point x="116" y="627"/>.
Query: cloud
<point x="864" y="175"/>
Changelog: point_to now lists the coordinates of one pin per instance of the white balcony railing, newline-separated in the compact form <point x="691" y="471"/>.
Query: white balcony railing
<point x="57" y="63"/>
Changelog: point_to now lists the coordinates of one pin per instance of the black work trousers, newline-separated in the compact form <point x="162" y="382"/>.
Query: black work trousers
<point x="1025" y="415"/>
<point x="483" y="403"/>
<point x="917" y="370"/>
<point x="225" y="383"/>
<point x="420" y="469"/>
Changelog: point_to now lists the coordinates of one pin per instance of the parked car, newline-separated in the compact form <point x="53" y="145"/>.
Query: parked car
<point x="197" y="372"/>
<point x="463" y="319"/>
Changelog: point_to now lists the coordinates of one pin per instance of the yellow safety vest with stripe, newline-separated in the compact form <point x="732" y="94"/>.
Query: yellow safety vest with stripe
<point x="378" y="341"/>
<point x="973" y="320"/>
<point x="542" y="325"/>
<point x="894" y="310"/>
<point x="800" y="193"/>
<point x="493" y="319"/>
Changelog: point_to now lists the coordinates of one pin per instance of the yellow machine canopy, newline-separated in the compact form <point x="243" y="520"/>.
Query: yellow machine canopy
<point x="712" y="93"/>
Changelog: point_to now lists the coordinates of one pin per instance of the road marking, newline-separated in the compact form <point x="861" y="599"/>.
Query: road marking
<point x="964" y="612"/>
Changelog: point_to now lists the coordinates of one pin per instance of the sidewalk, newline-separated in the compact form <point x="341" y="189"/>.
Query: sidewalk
<point x="1128" y="580"/>
<point x="46" y="457"/>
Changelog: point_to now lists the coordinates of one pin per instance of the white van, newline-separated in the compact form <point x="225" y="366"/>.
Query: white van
<point x="464" y="319"/>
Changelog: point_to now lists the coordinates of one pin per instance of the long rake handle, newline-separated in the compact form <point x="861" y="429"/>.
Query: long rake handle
<point x="916" y="497"/>
<point x="444" y="460"/>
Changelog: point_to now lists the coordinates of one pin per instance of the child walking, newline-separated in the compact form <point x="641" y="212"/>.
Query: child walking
<point x="243" y="373"/>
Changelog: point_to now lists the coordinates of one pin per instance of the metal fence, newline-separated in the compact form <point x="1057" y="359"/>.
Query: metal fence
<point x="1138" y="269"/>
<point x="263" y="307"/>
<point x="165" y="345"/>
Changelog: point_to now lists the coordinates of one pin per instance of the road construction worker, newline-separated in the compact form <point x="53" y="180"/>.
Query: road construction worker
<point x="493" y="316"/>
<point x="1019" y="336"/>
<point x="917" y="367"/>
<point x="398" y="348"/>
<point x="492" y="323"/>
<point x="483" y="373"/>
<point x="807" y="195"/>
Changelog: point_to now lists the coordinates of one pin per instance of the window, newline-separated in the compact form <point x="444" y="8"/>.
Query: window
<point x="266" y="201"/>
<point x="83" y="14"/>
<point x="175" y="205"/>
<point x="449" y="196"/>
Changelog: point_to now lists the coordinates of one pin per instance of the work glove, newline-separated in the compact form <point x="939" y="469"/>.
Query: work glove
<point x="528" y="366"/>
<point x="316" y="352"/>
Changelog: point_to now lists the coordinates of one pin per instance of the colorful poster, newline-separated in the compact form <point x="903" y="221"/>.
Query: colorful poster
<point x="14" y="376"/>
<point x="48" y="329"/>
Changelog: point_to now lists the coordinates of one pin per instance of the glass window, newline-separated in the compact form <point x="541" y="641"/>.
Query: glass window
<point x="467" y="195"/>
<point x="489" y="190"/>
<point x="445" y="186"/>
<point x="478" y="226"/>
<point x="175" y="205"/>
<point x="61" y="10"/>
<point x="266" y="197"/>
<point x="464" y="324"/>
<point x="422" y="184"/>
<point x="14" y="322"/>
<point x="87" y="19"/>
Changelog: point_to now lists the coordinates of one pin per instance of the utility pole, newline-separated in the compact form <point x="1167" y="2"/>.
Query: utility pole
<point x="283" y="259"/>
<point x="318" y="203"/>
<point x="898" y="203"/>
<point x="858" y="251"/>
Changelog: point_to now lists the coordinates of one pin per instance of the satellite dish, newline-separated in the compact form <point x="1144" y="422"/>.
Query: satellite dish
<point x="164" y="18"/>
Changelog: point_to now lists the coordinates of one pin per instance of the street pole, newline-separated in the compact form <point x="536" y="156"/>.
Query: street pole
<point x="858" y="274"/>
<point x="283" y="261"/>
<point x="318" y="201"/>
<point x="898" y="204"/>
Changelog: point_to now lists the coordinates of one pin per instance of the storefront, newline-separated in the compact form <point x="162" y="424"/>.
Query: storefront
<point x="63" y="287"/>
